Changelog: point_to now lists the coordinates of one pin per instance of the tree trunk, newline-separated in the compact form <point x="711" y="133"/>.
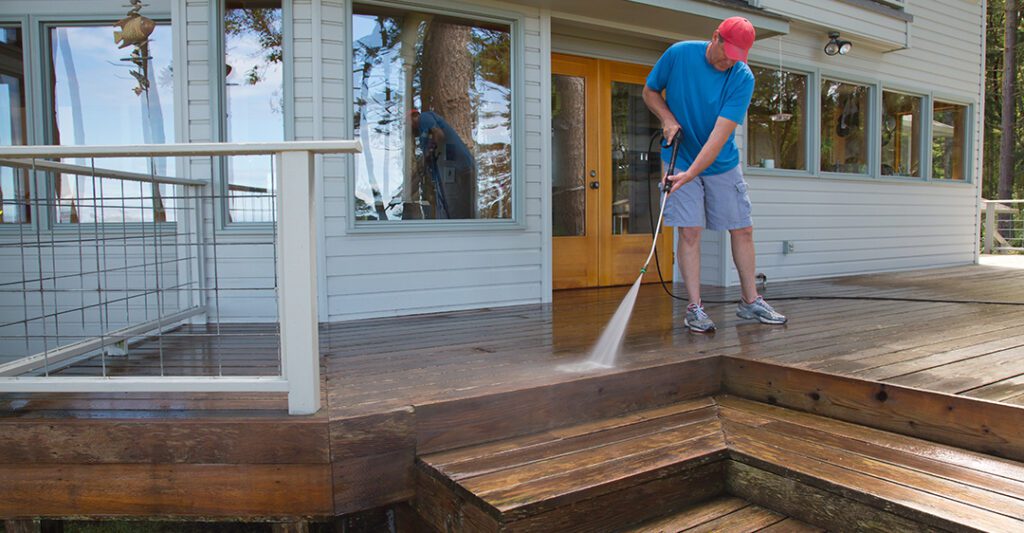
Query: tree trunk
<point x="1009" y="99"/>
<point x="447" y="78"/>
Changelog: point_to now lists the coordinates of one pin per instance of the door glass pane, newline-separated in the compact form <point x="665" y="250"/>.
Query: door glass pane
<point x="13" y="182"/>
<point x="568" y="155"/>
<point x="254" y="106"/>
<point x="95" y="102"/>
<point x="635" y="170"/>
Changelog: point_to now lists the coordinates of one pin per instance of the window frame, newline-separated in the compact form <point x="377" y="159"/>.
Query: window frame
<point x="40" y="102"/>
<point x="873" y="134"/>
<point x="969" y="138"/>
<point x="924" y="144"/>
<point x="517" y="34"/>
<point x="23" y="22"/>
<point x="809" y="132"/>
<point x="218" y="103"/>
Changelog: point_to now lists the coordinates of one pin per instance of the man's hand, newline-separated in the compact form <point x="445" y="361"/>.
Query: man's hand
<point x="680" y="179"/>
<point x="669" y="130"/>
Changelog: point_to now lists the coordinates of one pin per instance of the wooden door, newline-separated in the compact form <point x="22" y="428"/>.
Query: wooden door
<point x="575" y="185"/>
<point x="603" y="176"/>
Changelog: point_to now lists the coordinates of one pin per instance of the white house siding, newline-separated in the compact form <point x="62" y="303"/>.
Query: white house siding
<point x="413" y="271"/>
<point x="242" y="265"/>
<point x="841" y="226"/>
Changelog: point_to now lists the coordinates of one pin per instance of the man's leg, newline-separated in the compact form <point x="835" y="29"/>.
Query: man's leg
<point x="743" y="256"/>
<point x="688" y="256"/>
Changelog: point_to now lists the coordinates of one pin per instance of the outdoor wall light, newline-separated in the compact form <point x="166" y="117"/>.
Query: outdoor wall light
<point x="836" y="45"/>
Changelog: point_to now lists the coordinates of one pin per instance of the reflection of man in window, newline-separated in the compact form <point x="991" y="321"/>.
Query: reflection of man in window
<point x="448" y="164"/>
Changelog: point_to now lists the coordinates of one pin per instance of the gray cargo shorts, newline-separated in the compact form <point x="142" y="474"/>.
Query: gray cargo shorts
<point x="716" y="202"/>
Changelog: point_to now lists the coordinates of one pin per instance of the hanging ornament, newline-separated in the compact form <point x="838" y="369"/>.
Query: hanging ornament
<point x="781" y="116"/>
<point x="135" y="31"/>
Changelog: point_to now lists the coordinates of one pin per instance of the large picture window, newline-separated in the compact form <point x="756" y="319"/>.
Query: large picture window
<point x="95" y="101"/>
<point x="901" y="134"/>
<point x="14" y="189"/>
<point x="777" y="120"/>
<point x="433" y="109"/>
<point x="949" y="141"/>
<point x="844" y="127"/>
<point x="253" y="104"/>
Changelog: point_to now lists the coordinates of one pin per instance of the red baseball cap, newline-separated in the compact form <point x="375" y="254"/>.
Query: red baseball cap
<point x="737" y="33"/>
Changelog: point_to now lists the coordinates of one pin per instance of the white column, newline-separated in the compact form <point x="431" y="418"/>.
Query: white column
<point x="296" y="273"/>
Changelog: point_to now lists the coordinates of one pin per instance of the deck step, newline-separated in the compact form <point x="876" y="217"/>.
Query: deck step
<point x="600" y="475"/>
<point x="724" y="514"/>
<point x="837" y="474"/>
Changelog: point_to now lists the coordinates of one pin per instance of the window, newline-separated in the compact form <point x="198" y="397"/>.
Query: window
<point x="901" y="134"/>
<point x="949" y="141"/>
<point x="93" y="101"/>
<point x="777" y="120"/>
<point x="14" y="190"/>
<point x="844" y="127"/>
<point x="433" y="109"/>
<point x="253" y="103"/>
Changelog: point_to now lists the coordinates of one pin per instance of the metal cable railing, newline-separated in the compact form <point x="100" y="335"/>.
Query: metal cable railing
<point x="1003" y="227"/>
<point x="121" y="281"/>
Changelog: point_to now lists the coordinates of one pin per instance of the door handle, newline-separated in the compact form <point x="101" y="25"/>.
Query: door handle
<point x="595" y="185"/>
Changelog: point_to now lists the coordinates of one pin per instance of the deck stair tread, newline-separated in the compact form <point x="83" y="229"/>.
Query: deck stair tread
<point x="724" y="514"/>
<point x="531" y="474"/>
<point x="937" y="485"/>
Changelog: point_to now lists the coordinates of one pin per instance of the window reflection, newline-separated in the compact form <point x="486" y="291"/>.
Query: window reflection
<point x="433" y="109"/>
<point x="844" y="127"/>
<point x="901" y="134"/>
<point x="777" y="127"/>
<point x="254" y="107"/>
<point x="93" y="103"/>
<point x="949" y="138"/>
<point x="14" y="190"/>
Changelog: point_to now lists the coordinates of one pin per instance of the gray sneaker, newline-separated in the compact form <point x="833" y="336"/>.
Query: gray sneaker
<point x="697" y="320"/>
<point x="760" y="310"/>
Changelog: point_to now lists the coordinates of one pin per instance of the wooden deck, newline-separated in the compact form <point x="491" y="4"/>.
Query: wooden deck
<point x="970" y="349"/>
<point x="396" y="388"/>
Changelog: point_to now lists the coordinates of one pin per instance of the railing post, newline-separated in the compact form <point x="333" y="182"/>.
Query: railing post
<point x="990" y="226"/>
<point x="297" y="291"/>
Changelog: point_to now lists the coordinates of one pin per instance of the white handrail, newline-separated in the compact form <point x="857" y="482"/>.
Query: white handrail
<point x="181" y="150"/>
<point x="82" y="170"/>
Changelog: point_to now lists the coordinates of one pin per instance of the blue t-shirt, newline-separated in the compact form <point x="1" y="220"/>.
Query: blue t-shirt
<point x="697" y="94"/>
<point x="454" y="149"/>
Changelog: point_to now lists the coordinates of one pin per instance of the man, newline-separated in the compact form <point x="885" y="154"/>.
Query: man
<point x="707" y="88"/>
<point x="449" y="163"/>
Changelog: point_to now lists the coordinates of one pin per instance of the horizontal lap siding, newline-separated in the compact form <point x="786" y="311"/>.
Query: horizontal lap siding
<point x="384" y="274"/>
<point x="841" y="226"/>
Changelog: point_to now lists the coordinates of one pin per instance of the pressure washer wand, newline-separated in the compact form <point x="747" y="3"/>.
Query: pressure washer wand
<point x="666" y="190"/>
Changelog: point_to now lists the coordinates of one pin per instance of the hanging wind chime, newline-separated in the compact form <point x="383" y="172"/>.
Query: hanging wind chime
<point x="781" y="116"/>
<point x="135" y="31"/>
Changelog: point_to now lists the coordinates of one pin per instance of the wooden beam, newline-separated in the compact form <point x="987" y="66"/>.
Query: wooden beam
<point x="447" y="425"/>
<point x="978" y="425"/>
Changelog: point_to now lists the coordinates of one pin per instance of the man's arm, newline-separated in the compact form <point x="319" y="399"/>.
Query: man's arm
<point x="723" y="128"/>
<point x="656" y="103"/>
